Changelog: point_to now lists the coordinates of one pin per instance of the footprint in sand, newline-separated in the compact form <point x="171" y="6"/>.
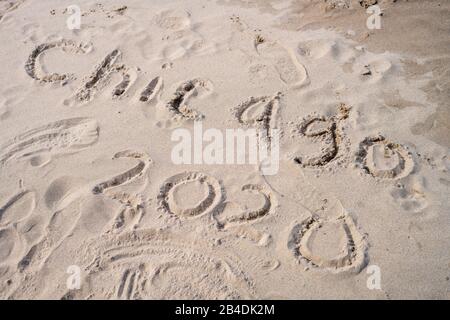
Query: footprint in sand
<point x="334" y="245"/>
<point x="65" y="198"/>
<point x="327" y="132"/>
<point x="63" y="191"/>
<point x="13" y="213"/>
<point x="18" y="208"/>
<point x="150" y="264"/>
<point x="62" y="198"/>
<point x="384" y="159"/>
<point x="190" y="194"/>
<point x="173" y="20"/>
<point x="411" y="196"/>
<point x="11" y="247"/>
<point x="39" y="145"/>
<point x="319" y="48"/>
<point x="35" y="71"/>
<point x="375" y="71"/>
<point x="284" y="60"/>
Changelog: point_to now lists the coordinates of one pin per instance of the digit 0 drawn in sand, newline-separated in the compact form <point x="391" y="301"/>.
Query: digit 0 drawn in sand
<point x="132" y="211"/>
<point x="66" y="45"/>
<point x="151" y="90"/>
<point x="384" y="159"/>
<point x="231" y="214"/>
<point x="102" y="73"/>
<point x="325" y="131"/>
<point x="190" y="194"/>
<point x="334" y="245"/>
<point x="42" y="143"/>
<point x="178" y="105"/>
<point x="151" y="264"/>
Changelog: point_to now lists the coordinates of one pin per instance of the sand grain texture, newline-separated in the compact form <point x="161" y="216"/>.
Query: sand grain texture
<point x="87" y="179"/>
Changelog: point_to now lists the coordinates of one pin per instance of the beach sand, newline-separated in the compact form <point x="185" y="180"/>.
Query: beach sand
<point x="92" y="205"/>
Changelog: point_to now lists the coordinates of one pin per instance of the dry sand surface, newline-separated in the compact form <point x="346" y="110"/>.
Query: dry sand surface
<point x="359" y="207"/>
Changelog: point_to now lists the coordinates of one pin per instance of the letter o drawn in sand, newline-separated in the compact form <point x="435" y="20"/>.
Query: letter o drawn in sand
<point x="384" y="159"/>
<point x="190" y="194"/>
<point x="332" y="245"/>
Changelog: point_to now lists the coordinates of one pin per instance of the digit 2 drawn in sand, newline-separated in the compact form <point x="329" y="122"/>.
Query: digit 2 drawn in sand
<point x="151" y="264"/>
<point x="207" y="196"/>
<point x="327" y="132"/>
<point x="133" y="210"/>
<point x="64" y="136"/>
<point x="384" y="159"/>
<point x="334" y="245"/>
<point x="66" y="45"/>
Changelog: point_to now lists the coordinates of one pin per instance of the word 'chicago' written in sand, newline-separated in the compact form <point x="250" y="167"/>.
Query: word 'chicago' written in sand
<point x="396" y="160"/>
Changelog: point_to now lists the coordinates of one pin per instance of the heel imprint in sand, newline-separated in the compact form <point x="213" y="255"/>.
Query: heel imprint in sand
<point x="290" y="71"/>
<point x="18" y="208"/>
<point x="13" y="214"/>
